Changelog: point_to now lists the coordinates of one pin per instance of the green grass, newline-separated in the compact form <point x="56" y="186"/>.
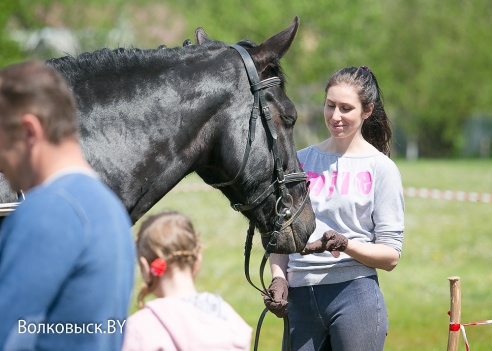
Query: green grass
<point x="463" y="174"/>
<point x="442" y="239"/>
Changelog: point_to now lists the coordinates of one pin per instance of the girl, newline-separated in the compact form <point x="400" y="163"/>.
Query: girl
<point x="180" y="318"/>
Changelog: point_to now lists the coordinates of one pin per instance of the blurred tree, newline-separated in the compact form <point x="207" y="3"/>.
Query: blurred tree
<point x="432" y="59"/>
<point x="439" y="69"/>
<point x="9" y="50"/>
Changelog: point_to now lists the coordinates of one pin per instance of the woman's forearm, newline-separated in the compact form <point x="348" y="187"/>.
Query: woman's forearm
<point x="373" y="255"/>
<point x="278" y="265"/>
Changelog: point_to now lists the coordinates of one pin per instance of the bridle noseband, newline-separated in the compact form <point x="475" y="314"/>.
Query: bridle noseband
<point x="284" y="202"/>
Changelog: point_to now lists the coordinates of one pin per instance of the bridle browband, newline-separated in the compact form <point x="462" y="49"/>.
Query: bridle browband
<point x="284" y="202"/>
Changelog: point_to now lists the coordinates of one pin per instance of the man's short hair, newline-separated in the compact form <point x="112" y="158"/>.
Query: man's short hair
<point x="33" y="87"/>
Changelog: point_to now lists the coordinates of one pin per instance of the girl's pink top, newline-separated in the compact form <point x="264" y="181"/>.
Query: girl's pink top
<point x="204" y="322"/>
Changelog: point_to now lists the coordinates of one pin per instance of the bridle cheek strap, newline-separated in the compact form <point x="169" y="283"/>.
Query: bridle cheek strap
<point x="260" y="107"/>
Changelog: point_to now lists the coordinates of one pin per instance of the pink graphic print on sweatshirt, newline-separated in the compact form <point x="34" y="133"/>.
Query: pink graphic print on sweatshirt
<point x="362" y="181"/>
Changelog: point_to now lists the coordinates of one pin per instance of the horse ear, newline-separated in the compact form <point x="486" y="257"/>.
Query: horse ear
<point x="200" y="36"/>
<point x="275" y="47"/>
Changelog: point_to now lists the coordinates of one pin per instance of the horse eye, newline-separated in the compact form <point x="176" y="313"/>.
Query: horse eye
<point x="289" y="120"/>
<point x="269" y="96"/>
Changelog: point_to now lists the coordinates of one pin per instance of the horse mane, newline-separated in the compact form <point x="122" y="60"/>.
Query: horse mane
<point x="105" y="60"/>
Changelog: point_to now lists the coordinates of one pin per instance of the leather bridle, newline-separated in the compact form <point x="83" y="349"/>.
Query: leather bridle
<point x="284" y="202"/>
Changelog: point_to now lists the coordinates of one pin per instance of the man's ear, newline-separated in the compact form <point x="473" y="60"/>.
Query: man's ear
<point x="32" y="130"/>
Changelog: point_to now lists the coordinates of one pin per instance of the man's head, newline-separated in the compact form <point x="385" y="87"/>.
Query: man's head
<point x="34" y="88"/>
<point x="36" y="107"/>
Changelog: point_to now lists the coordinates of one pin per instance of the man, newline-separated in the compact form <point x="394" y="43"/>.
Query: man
<point x="66" y="252"/>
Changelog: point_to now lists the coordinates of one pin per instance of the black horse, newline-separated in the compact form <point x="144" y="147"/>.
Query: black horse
<point x="150" y="117"/>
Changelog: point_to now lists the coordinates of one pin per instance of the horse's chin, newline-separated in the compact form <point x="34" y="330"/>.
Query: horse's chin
<point x="287" y="242"/>
<point x="293" y="238"/>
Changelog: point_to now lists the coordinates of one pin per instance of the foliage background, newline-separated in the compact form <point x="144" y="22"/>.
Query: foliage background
<point x="431" y="58"/>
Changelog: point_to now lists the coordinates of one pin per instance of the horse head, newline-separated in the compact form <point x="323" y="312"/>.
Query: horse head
<point x="270" y="188"/>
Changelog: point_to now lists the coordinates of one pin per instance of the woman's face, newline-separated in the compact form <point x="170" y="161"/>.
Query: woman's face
<point x="343" y="112"/>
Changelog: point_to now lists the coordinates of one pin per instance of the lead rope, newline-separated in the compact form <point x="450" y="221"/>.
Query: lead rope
<point x="247" y="255"/>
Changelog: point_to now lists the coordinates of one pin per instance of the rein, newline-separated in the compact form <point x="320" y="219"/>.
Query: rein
<point x="284" y="200"/>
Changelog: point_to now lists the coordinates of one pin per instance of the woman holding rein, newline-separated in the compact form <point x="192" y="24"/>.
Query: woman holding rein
<point x="330" y="291"/>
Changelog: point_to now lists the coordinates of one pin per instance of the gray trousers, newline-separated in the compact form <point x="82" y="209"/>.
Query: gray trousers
<point x="348" y="316"/>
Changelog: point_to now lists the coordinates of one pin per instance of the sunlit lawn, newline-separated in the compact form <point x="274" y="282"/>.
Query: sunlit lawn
<point x="442" y="239"/>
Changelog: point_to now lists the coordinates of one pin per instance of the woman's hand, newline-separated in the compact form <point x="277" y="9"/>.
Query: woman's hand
<point x="276" y="300"/>
<point x="330" y="241"/>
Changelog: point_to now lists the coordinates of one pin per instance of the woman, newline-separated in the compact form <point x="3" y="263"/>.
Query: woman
<point x="334" y="300"/>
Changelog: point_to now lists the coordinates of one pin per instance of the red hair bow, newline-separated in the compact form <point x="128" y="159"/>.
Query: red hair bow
<point x="158" y="267"/>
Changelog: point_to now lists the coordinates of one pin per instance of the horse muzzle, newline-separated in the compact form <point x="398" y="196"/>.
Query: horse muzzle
<point x="291" y="231"/>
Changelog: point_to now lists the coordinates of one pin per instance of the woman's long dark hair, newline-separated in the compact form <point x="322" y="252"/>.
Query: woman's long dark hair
<point x="376" y="128"/>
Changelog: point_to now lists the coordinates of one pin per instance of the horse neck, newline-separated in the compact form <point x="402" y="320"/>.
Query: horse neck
<point x="154" y="123"/>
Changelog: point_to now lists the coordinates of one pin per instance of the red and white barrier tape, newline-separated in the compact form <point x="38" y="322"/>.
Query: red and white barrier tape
<point x="457" y="327"/>
<point x="425" y="193"/>
<point x="422" y="193"/>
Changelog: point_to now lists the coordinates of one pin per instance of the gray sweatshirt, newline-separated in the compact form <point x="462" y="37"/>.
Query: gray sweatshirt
<point x="359" y="197"/>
